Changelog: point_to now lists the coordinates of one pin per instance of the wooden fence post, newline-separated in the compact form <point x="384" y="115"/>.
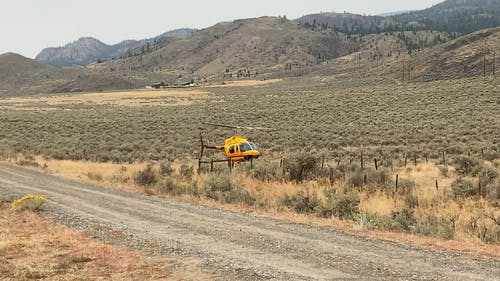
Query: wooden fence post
<point x="376" y="165"/>
<point x="479" y="187"/>
<point x="397" y="182"/>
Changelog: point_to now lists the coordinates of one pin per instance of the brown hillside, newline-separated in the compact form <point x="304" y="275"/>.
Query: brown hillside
<point x="245" y="46"/>
<point x="462" y="57"/>
<point x="20" y="76"/>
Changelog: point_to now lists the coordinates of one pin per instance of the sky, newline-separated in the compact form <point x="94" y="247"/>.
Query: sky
<point x="28" y="26"/>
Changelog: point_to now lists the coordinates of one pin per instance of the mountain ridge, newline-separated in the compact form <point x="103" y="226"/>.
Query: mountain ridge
<point x="87" y="50"/>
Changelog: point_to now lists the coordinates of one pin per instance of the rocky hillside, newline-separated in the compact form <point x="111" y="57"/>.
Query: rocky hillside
<point x="90" y="50"/>
<point x="82" y="52"/>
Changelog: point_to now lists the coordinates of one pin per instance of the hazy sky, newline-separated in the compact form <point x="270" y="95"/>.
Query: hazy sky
<point x="28" y="26"/>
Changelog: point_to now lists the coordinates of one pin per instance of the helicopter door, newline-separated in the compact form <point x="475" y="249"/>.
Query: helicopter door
<point x="231" y="149"/>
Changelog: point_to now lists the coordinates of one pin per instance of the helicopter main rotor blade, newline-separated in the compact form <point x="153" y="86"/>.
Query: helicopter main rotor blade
<point x="238" y="127"/>
<point x="220" y="125"/>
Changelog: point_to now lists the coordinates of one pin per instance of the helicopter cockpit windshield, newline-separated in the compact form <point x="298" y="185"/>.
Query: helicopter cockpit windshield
<point x="246" y="146"/>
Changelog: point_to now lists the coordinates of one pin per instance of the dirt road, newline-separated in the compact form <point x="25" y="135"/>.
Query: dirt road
<point x="234" y="246"/>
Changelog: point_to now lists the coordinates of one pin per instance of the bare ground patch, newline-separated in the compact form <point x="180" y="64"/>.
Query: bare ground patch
<point x="33" y="247"/>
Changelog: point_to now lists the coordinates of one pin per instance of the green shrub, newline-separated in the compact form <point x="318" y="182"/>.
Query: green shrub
<point x="432" y="225"/>
<point x="239" y="195"/>
<point x="467" y="165"/>
<point x="166" y="168"/>
<point x="221" y="188"/>
<point x="411" y="200"/>
<point x="302" y="202"/>
<point x="168" y="186"/>
<point x="406" y="186"/>
<point x="487" y="175"/>
<point x="187" y="172"/>
<point x="300" y="166"/>
<point x="463" y="188"/>
<point x="359" y="177"/>
<point x="402" y="220"/>
<point x="345" y="206"/>
<point x="147" y="176"/>
<point x="266" y="172"/>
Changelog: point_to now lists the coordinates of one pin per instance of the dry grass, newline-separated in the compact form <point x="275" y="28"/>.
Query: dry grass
<point x="245" y="83"/>
<point x="109" y="174"/>
<point x="32" y="247"/>
<point x="269" y="194"/>
<point x="135" y="98"/>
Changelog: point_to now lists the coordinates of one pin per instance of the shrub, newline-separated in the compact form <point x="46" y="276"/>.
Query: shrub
<point x="432" y="225"/>
<point x="166" y="168"/>
<point x="467" y="165"/>
<point x="301" y="202"/>
<point x="402" y="220"/>
<point x="27" y="161"/>
<point x="239" y="195"/>
<point x="487" y="175"/>
<point x="359" y="177"/>
<point x="32" y="203"/>
<point x="146" y="177"/>
<point x="406" y="186"/>
<point x="344" y="207"/>
<point x="187" y="172"/>
<point x="168" y="186"/>
<point x="222" y="189"/>
<point x="463" y="188"/>
<point x="443" y="170"/>
<point x="300" y="166"/>
<point x="266" y="172"/>
<point x="411" y="200"/>
<point x="95" y="176"/>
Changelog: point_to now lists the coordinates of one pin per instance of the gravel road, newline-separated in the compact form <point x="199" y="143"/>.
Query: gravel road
<point x="235" y="246"/>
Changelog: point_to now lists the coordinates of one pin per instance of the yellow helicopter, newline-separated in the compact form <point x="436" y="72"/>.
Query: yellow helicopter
<point x="237" y="148"/>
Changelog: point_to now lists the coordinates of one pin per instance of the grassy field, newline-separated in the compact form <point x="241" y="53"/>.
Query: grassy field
<point x="323" y="127"/>
<point x="335" y="117"/>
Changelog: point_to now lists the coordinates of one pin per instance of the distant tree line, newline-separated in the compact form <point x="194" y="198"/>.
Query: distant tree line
<point x="453" y="17"/>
